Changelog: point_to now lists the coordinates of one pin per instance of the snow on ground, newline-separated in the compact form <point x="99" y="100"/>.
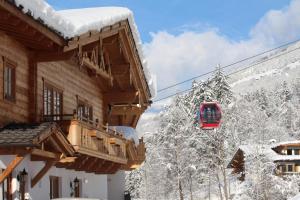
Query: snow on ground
<point x="74" y="22"/>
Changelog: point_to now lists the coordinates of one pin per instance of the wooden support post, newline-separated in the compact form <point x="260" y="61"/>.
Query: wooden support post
<point x="38" y="153"/>
<point x="41" y="173"/>
<point x="10" y="168"/>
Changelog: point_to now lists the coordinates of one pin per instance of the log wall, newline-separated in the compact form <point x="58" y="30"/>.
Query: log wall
<point x="17" y="111"/>
<point x="73" y="82"/>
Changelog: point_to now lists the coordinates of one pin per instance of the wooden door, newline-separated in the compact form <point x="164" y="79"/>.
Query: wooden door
<point x="54" y="187"/>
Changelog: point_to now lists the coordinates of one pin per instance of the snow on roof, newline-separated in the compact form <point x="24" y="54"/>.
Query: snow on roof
<point x="74" y="22"/>
<point x="286" y="143"/>
<point x="129" y="133"/>
<point x="268" y="152"/>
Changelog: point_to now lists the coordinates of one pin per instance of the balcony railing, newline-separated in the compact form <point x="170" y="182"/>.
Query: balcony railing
<point x="91" y="138"/>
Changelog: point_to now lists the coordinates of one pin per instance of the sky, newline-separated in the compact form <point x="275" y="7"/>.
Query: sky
<point x="233" y="18"/>
<point x="185" y="38"/>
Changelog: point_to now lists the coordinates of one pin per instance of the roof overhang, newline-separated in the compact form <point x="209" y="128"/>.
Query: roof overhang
<point x="25" y="29"/>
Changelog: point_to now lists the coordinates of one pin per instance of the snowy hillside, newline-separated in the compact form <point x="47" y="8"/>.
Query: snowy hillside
<point x="267" y="72"/>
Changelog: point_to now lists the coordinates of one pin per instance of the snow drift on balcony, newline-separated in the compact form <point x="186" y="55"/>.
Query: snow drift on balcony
<point x="70" y="23"/>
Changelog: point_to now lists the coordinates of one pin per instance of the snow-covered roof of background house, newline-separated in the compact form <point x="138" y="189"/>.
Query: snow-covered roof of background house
<point x="285" y="143"/>
<point x="71" y="23"/>
<point x="266" y="150"/>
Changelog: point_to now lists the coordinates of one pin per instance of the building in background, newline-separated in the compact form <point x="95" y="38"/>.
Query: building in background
<point x="285" y="155"/>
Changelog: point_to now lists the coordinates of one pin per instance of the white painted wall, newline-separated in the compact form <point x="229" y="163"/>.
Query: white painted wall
<point x="116" y="186"/>
<point x="93" y="186"/>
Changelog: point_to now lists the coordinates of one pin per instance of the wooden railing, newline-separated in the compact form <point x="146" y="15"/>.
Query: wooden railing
<point x="90" y="137"/>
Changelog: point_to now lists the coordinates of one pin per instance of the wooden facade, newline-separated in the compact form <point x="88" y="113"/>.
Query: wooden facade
<point x="84" y="85"/>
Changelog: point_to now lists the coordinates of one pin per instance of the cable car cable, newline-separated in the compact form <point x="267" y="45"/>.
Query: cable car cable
<point x="226" y="66"/>
<point x="231" y="73"/>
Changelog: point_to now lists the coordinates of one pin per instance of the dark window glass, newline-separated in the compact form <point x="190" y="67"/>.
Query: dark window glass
<point x="283" y="167"/>
<point x="52" y="103"/>
<point x="296" y="151"/>
<point x="290" y="168"/>
<point x="85" y="111"/>
<point x="9" y="81"/>
<point x="289" y="152"/>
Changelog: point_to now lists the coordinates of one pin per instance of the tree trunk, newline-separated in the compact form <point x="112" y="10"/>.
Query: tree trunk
<point x="225" y="183"/>
<point x="191" y="187"/>
<point x="209" y="187"/>
<point x="180" y="190"/>
<point x="219" y="185"/>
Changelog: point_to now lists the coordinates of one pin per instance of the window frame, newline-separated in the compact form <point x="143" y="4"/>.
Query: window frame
<point x="289" y="165"/>
<point x="86" y="105"/>
<point x="291" y="151"/>
<point x="53" y="88"/>
<point x="7" y="63"/>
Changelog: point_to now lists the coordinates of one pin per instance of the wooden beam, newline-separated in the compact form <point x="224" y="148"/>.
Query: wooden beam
<point x="10" y="168"/>
<point x="13" y="151"/>
<point x="41" y="173"/>
<point x="120" y="97"/>
<point x="92" y="37"/>
<point x="45" y="154"/>
<point x="32" y="22"/>
<point x="126" y="110"/>
<point x="98" y="165"/>
<point x="67" y="160"/>
<point x="55" y="145"/>
<point x="85" y="164"/>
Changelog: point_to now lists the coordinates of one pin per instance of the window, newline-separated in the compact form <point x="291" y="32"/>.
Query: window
<point x="289" y="152"/>
<point x="9" y="78"/>
<point x="296" y="151"/>
<point x="52" y="103"/>
<point x="85" y="111"/>
<point x="283" y="167"/>
<point x="290" y="168"/>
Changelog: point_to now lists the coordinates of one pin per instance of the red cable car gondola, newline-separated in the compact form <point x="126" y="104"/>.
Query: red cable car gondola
<point x="210" y="115"/>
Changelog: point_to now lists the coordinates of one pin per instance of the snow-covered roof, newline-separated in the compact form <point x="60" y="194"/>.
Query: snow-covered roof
<point x="285" y="143"/>
<point x="129" y="133"/>
<point x="74" y="22"/>
<point x="249" y="150"/>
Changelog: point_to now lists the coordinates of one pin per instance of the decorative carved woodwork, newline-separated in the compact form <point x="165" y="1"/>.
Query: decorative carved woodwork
<point x="95" y="61"/>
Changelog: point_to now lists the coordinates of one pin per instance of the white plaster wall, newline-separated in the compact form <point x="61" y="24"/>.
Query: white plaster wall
<point x="116" y="186"/>
<point x="93" y="186"/>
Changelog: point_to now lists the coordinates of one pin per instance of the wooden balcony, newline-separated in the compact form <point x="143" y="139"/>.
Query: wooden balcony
<point x="99" y="149"/>
<point x="92" y="139"/>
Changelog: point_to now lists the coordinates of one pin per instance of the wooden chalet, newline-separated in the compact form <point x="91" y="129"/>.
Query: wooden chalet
<point x="285" y="155"/>
<point x="60" y="99"/>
